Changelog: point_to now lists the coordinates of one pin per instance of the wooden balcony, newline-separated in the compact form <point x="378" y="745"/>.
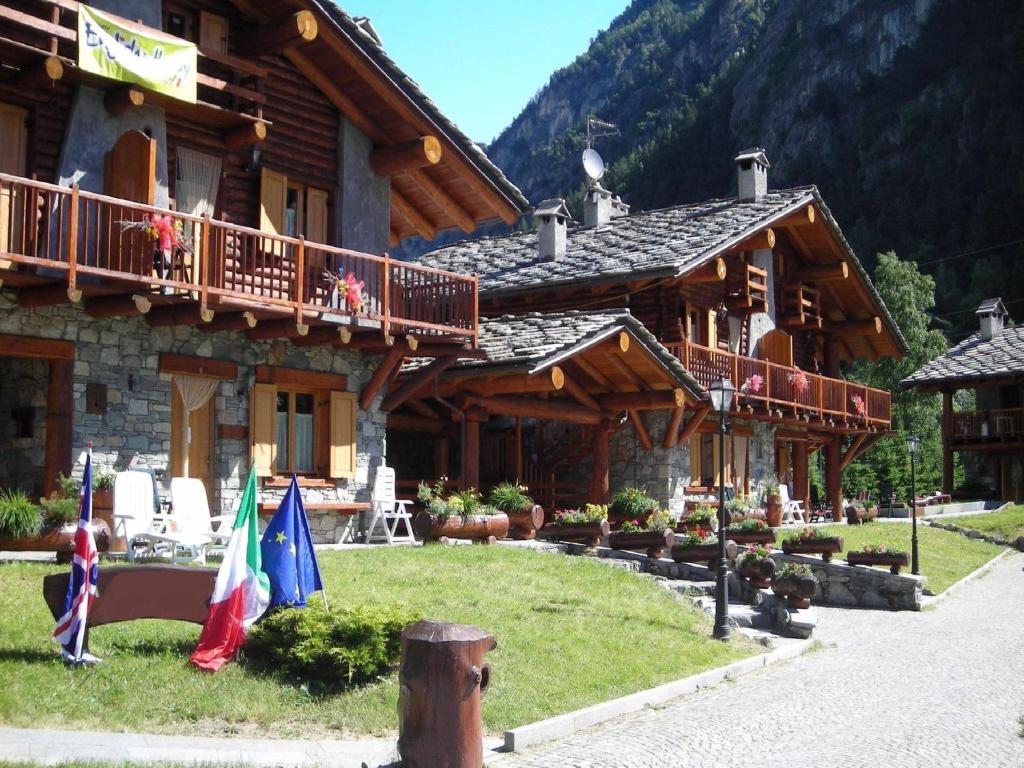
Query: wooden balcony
<point x="834" y="402"/>
<point x="995" y="427"/>
<point x="58" y="243"/>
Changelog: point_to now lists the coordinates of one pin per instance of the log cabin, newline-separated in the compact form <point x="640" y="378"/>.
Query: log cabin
<point x="989" y="363"/>
<point x="761" y="288"/>
<point x="196" y="200"/>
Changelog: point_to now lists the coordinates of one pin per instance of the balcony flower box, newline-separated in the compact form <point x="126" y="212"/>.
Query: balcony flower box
<point x="795" y="584"/>
<point x="879" y="556"/>
<point x="810" y="541"/>
<point x="653" y="542"/>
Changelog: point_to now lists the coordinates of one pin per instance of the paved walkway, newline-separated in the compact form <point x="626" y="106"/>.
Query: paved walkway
<point x="944" y="687"/>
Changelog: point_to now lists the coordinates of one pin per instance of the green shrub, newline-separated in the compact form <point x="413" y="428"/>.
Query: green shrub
<point x="510" y="497"/>
<point x="19" y="517"/>
<point x="329" y="650"/>
<point x="632" y="502"/>
<point x="103" y="481"/>
<point x="58" y="511"/>
<point x="68" y="486"/>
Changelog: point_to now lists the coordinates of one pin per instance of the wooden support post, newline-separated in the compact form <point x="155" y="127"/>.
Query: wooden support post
<point x="695" y="421"/>
<point x="388" y="363"/>
<point x="48" y="296"/>
<point x="60" y="401"/>
<point x="599" y="469"/>
<point x="42" y="74"/>
<point x="297" y="29"/>
<point x="518" y="449"/>
<point x="947" y="448"/>
<point x="801" y="484"/>
<point x="300" y="282"/>
<point x="285" y="327"/>
<point x="399" y="158"/>
<point x="121" y="100"/>
<point x="471" y="449"/>
<point x="854" y="450"/>
<point x="672" y="430"/>
<point x="416" y="380"/>
<point x="831" y="358"/>
<point x="246" y="135"/>
<point x="118" y="306"/>
<point x="641" y="430"/>
<point x="834" y="472"/>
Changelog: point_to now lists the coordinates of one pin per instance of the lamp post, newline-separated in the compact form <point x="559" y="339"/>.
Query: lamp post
<point x="912" y="442"/>
<point x="722" y="392"/>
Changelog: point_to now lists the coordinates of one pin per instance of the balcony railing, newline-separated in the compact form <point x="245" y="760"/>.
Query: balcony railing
<point x="995" y="424"/>
<point x="823" y="398"/>
<point x="63" y="231"/>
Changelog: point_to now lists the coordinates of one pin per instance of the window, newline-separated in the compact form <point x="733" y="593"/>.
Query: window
<point x="704" y="461"/>
<point x="292" y="209"/>
<point x="180" y="23"/>
<point x="303" y="423"/>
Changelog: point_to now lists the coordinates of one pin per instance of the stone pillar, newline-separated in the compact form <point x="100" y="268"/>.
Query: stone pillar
<point x="801" y="488"/>
<point x="947" y="449"/>
<point x="599" y="470"/>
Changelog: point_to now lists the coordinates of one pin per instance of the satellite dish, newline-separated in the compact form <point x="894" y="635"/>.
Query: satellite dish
<point x="593" y="165"/>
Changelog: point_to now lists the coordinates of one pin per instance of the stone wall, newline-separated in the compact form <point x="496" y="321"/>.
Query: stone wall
<point x="663" y="472"/>
<point x="23" y="394"/>
<point x="860" y="585"/>
<point x="123" y="354"/>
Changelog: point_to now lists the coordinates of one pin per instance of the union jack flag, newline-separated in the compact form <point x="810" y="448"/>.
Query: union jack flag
<point x="85" y="569"/>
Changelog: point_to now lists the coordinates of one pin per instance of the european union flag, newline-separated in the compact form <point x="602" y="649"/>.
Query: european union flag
<point x="288" y="557"/>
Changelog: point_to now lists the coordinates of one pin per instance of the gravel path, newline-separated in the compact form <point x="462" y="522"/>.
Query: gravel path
<point x="944" y="687"/>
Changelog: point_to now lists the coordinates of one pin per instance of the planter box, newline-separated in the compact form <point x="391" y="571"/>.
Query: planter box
<point x="590" y="533"/>
<point x="487" y="528"/>
<point x="894" y="562"/>
<point x="796" y="590"/>
<point x="766" y="536"/>
<point x="654" y="542"/>
<point x="759" y="573"/>
<point x="854" y="515"/>
<point x="61" y="541"/>
<point x="702" y="553"/>
<point x="684" y="527"/>
<point x="525" y="523"/>
<point x="615" y="519"/>
<point x="824" y="547"/>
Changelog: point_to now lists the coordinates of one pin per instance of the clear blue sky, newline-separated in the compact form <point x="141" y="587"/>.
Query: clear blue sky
<point x="482" y="61"/>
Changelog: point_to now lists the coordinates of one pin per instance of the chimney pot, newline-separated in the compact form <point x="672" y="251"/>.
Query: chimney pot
<point x="600" y="206"/>
<point x="992" y="314"/>
<point x="752" y="174"/>
<point x="552" y="223"/>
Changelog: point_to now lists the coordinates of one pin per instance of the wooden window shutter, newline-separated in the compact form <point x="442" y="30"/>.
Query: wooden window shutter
<point x="714" y="453"/>
<point x="262" y="422"/>
<point x="695" y="473"/>
<point x="343" y="435"/>
<point x="13" y="152"/>
<point x="213" y="32"/>
<point x="712" y="342"/>
<point x="273" y="197"/>
<point x="316" y="215"/>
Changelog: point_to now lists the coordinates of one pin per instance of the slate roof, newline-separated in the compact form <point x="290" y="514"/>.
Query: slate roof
<point x="530" y="343"/>
<point x="356" y="31"/>
<point x="974" y="359"/>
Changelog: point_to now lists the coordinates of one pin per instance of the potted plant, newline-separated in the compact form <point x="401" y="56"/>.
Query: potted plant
<point x="772" y="502"/>
<point x="756" y="565"/>
<point x="459" y="515"/>
<point x="654" y="536"/>
<point x="701" y="517"/>
<point x="524" y="517"/>
<point x="877" y="554"/>
<point x="750" y="531"/>
<point x="25" y="527"/>
<point x="812" y="541"/>
<point x="630" y="504"/>
<point x="700" y="546"/>
<point x="587" y="525"/>
<point x="795" y="583"/>
<point x="19" y="518"/>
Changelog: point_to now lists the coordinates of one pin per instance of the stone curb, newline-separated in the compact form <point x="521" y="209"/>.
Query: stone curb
<point x="971" y="533"/>
<point x="560" y="726"/>
<point x="976" y="574"/>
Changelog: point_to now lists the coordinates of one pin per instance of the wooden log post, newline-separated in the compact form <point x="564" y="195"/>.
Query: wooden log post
<point x="947" y="448"/>
<point x="471" y="448"/>
<point x="399" y="158"/>
<point x="599" y="470"/>
<point x="121" y="100"/>
<point x="801" y="485"/>
<point x="246" y="135"/>
<point x="834" y="473"/>
<point x="298" y="29"/>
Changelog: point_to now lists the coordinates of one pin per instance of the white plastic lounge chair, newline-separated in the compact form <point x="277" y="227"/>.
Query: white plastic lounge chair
<point x="388" y="511"/>
<point x="190" y="525"/>
<point x="792" y="509"/>
<point x="134" y="517"/>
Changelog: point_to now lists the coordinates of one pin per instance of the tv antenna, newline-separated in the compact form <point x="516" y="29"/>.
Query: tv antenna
<point x="593" y="164"/>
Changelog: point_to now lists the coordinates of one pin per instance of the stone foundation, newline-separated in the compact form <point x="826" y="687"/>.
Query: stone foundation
<point x="859" y="585"/>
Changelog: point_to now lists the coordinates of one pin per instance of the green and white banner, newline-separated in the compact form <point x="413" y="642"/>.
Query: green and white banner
<point x="124" y="51"/>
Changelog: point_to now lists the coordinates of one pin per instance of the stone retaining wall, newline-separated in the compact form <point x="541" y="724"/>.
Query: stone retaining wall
<point x="970" y="533"/>
<point x="859" y="585"/>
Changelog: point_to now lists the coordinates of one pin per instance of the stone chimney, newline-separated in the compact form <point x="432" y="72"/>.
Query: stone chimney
<point x="752" y="174"/>
<point x="600" y="206"/>
<point x="552" y="222"/>
<point x="993" y="318"/>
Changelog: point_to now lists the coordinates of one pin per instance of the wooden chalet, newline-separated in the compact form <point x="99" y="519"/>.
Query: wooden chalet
<point x="761" y="288"/>
<point x="991" y="364"/>
<point x="227" y="245"/>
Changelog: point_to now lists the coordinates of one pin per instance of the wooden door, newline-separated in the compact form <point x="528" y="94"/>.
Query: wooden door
<point x="13" y="151"/>
<point x="777" y="347"/>
<point x="197" y="461"/>
<point x="213" y="32"/>
<point x="129" y="174"/>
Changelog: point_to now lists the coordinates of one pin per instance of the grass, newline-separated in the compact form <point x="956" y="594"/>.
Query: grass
<point x="571" y="632"/>
<point x="946" y="557"/>
<point x="1007" y="524"/>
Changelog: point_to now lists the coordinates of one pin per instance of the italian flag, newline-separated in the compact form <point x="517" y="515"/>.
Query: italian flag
<point x="242" y="591"/>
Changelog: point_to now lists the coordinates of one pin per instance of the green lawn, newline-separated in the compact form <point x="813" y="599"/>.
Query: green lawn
<point x="571" y="632"/>
<point x="946" y="557"/>
<point x="1008" y="523"/>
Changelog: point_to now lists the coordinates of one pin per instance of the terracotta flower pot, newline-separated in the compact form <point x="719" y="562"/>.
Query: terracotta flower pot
<point x="588" y="533"/>
<point x="824" y="547"/>
<point x="476" y="527"/>
<point x="894" y="561"/>
<point x="773" y="510"/>
<point x="525" y="523"/>
<point x="102" y="499"/>
<point x="654" y="542"/>
<point x="797" y="589"/>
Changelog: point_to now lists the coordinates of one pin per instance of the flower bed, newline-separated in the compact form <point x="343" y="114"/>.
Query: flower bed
<point x="631" y="505"/>
<point x="811" y="541"/>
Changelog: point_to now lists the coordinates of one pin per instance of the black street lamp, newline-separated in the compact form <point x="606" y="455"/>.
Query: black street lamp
<point x="912" y="442"/>
<point x="722" y="392"/>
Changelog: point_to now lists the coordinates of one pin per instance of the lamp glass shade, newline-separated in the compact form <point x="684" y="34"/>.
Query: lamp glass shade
<point x="912" y="442"/>
<point x="722" y="391"/>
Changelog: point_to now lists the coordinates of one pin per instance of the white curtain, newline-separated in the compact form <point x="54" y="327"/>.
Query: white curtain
<point x="195" y="391"/>
<point x="196" y="182"/>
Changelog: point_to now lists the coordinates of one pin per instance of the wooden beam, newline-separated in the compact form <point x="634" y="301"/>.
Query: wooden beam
<point x="548" y="410"/>
<point x="402" y="422"/>
<point x="672" y="430"/>
<point x="765" y="239"/>
<point x="421" y="408"/>
<point x="590" y="370"/>
<point x="179" y="314"/>
<point x="579" y="394"/>
<point x="623" y="341"/>
<point x="324" y="335"/>
<point x="853" y="451"/>
<point x="48" y="296"/>
<point x="42" y="74"/>
<point x="197" y="366"/>
<point x="232" y="321"/>
<point x="695" y="421"/>
<point x="35" y="348"/>
<point x="407" y="155"/>
<point x="388" y="363"/>
<point x="643" y="401"/>
<point x="801" y="218"/>
<point x="456" y="212"/>
<point x="471" y="451"/>
<point x="714" y="272"/>
<point x="298" y="29"/>
<point x="286" y="327"/>
<point x="870" y="327"/>
<point x="246" y="135"/>
<point x="551" y="380"/>
<point x="423" y="226"/>
<point x="121" y="100"/>
<point x="118" y="306"/>
<point x="947" y="433"/>
<point x="819" y="273"/>
<point x="624" y="370"/>
<point x="416" y="380"/>
<point x="641" y="430"/>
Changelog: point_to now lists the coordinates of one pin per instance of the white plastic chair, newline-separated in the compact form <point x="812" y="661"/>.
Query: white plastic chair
<point x="134" y="517"/>
<point x="388" y="511"/>
<point x="190" y="526"/>
<point x="792" y="509"/>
